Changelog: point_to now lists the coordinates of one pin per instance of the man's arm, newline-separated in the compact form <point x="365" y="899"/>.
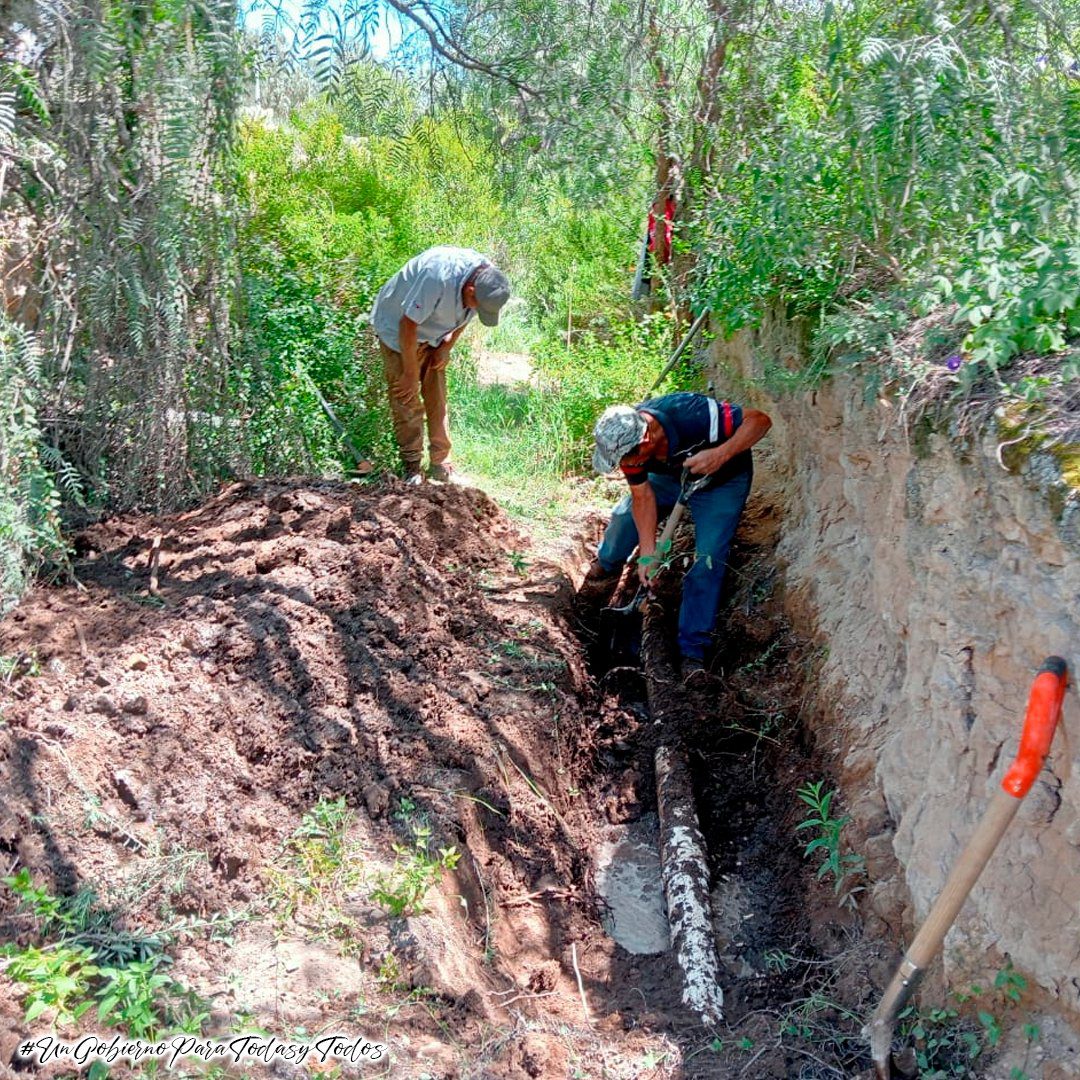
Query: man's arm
<point x="643" y="511"/>
<point x="409" y="386"/>
<point x="441" y="356"/>
<point x="754" y="425"/>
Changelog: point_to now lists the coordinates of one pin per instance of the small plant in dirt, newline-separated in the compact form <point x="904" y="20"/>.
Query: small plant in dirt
<point x="777" y="960"/>
<point x="761" y="662"/>
<point x="843" y="866"/>
<point x="947" y="1042"/>
<point x="401" y="890"/>
<point x="944" y="1044"/>
<point x="519" y="563"/>
<point x="511" y="649"/>
<point x="57" y="978"/>
<point x="19" y="666"/>
<point x="84" y="961"/>
<point x="317" y="867"/>
<point x="388" y="975"/>
<point x="825" y="1022"/>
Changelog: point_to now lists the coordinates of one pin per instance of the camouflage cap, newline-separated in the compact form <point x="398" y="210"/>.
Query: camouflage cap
<point x="619" y="430"/>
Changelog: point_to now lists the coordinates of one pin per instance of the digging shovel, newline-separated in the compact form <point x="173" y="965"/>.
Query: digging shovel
<point x="1040" y="721"/>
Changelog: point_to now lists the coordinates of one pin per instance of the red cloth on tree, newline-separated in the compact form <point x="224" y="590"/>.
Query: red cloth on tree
<point x="669" y="228"/>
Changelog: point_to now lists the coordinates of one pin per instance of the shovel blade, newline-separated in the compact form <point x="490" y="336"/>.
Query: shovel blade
<point x="620" y="631"/>
<point x="624" y="641"/>
<point x="626" y="609"/>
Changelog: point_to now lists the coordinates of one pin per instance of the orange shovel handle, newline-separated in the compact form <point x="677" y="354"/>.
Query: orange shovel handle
<point x="1040" y="722"/>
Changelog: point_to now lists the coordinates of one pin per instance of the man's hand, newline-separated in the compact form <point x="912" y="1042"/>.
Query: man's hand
<point x="440" y="356"/>
<point x="646" y="568"/>
<point x="754" y="425"/>
<point x="407" y="388"/>
<point x="706" y="462"/>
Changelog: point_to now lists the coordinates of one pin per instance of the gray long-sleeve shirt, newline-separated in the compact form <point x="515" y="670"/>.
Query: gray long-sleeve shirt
<point x="428" y="290"/>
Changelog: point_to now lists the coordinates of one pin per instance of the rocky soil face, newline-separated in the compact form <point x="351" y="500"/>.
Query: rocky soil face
<point x="937" y="580"/>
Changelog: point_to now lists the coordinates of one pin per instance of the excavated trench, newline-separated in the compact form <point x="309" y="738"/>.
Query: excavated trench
<point x="798" y="974"/>
<point x="377" y="649"/>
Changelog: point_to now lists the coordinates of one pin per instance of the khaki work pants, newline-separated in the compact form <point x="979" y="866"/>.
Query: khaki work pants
<point x="409" y="415"/>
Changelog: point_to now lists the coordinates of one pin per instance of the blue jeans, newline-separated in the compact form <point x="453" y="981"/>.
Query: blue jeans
<point x="716" y="514"/>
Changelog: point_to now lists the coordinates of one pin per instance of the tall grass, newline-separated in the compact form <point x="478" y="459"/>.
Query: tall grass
<point x="530" y="445"/>
<point x="514" y="442"/>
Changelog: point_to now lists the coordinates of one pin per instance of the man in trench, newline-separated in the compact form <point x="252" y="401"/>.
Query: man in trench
<point x="651" y="444"/>
<point x="418" y="316"/>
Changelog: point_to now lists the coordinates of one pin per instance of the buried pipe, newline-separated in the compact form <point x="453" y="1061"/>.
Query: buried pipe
<point x="1040" y="722"/>
<point x="684" y="867"/>
<point x="685" y="875"/>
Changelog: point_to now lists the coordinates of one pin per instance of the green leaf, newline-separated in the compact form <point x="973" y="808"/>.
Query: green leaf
<point x="35" y="1009"/>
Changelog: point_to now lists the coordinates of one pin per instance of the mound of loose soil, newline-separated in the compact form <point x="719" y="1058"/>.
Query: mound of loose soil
<point x="309" y="642"/>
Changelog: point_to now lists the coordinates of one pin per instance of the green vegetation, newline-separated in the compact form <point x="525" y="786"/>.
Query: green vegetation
<point x="29" y="494"/>
<point x="318" y="869"/>
<point x="513" y="441"/>
<point x="947" y="1040"/>
<point x="828" y="843"/>
<point x="911" y="162"/>
<point x="211" y="215"/>
<point x="86" y="962"/>
<point x="13" y="668"/>
<point x="401" y="890"/>
<point x="321" y="867"/>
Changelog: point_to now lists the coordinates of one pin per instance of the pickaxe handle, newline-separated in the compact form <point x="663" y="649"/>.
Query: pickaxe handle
<point x="689" y="486"/>
<point x="667" y="533"/>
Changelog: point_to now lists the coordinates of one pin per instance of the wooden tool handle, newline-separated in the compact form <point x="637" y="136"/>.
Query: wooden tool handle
<point x="668" y="532"/>
<point x="1040" y="722"/>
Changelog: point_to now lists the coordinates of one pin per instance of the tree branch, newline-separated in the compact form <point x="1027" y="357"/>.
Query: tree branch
<point x="443" y="43"/>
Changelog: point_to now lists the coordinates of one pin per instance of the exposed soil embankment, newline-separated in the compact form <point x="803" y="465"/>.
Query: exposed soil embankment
<point x="395" y="647"/>
<point x="334" y="687"/>
<point x="183" y="752"/>
<point x="937" y="572"/>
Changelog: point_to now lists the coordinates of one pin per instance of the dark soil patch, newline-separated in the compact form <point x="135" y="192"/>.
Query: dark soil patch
<point x="799" y="975"/>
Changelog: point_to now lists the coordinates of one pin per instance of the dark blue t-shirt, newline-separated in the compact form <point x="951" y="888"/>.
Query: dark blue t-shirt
<point x="692" y="422"/>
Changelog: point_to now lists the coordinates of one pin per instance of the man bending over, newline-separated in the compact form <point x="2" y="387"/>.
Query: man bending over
<point x="418" y="316"/>
<point x="651" y="444"/>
